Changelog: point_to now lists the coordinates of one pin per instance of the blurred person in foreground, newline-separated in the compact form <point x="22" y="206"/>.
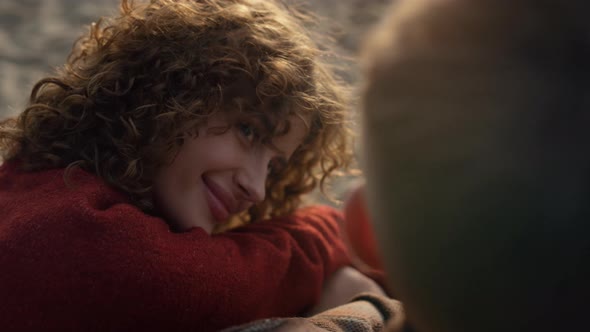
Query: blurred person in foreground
<point x="476" y="142"/>
<point x="476" y="136"/>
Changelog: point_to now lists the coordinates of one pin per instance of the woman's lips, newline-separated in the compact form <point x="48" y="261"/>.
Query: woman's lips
<point x="216" y="205"/>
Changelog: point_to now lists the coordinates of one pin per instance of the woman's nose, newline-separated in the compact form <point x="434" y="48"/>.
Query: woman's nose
<point x="251" y="179"/>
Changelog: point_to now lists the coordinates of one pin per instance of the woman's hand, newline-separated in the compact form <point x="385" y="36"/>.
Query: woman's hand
<point x="342" y="286"/>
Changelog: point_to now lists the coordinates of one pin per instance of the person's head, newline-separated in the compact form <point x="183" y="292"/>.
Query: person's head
<point x="476" y="131"/>
<point x="139" y="88"/>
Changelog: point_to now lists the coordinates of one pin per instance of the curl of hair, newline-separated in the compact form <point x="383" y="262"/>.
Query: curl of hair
<point x="135" y="84"/>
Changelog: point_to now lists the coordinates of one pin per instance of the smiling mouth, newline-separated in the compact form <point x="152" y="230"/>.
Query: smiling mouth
<point x="218" y="210"/>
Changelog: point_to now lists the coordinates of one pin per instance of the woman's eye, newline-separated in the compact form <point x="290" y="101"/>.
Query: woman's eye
<point x="276" y="165"/>
<point x="247" y="131"/>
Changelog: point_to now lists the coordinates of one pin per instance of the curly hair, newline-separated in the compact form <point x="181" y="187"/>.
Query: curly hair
<point x="135" y="84"/>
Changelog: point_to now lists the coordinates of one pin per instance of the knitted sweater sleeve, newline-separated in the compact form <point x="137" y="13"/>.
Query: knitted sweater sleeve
<point x="268" y="269"/>
<point x="83" y="263"/>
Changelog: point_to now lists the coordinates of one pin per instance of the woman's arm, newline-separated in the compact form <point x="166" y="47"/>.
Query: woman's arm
<point x="273" y="268"/>
<point x="119" y="269"/>
<point x="342" y="286"/>
<point x="80" y="258"/>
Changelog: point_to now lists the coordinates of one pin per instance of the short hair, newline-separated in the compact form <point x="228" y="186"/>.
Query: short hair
<point x="134" y="84"/>
<point x="476" y="129"/>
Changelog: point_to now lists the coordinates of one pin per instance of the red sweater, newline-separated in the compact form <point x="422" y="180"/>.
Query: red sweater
<point x="82" y="258"/>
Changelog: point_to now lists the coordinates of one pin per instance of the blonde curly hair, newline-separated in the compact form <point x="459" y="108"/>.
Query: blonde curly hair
<point x="135" y="84"/>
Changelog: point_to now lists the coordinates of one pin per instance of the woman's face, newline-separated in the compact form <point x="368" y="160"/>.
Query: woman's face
<point x="216" y="175"/>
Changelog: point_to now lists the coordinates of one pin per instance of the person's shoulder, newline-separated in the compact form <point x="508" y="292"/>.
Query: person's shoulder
<point x="19" y="184"/>
<point x="79" y="207"/>
<point x="52" y="184"/>
<point x="57" y="198"/>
